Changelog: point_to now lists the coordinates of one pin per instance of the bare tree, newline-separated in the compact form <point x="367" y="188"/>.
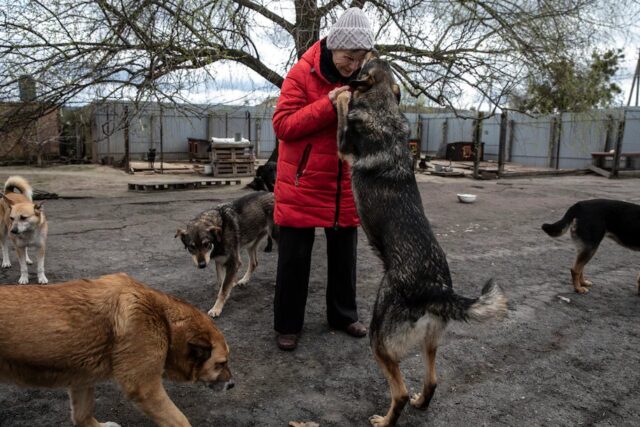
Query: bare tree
<point x="164" y="49"/>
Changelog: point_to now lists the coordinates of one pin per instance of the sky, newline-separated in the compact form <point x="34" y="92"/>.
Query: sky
<point x="239" y="86"/>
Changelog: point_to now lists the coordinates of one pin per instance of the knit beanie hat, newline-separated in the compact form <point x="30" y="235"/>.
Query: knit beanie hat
<point x="351" y="32"/>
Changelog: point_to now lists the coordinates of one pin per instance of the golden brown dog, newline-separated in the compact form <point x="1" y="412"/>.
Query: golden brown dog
<point x="78" y="333"/>
<point x="25" y="224"/>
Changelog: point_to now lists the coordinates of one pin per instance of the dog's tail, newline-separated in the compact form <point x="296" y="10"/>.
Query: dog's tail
<point x="15" y="182"/>
<point x="491" y="303"/>
<point x="557" y="229"/>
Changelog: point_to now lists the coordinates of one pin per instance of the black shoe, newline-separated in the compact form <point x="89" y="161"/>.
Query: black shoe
<point x="356" y="329"/>
<point x="287" y="342"/>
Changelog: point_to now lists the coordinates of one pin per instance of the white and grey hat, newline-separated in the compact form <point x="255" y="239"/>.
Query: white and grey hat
<point x="352" y="31"/>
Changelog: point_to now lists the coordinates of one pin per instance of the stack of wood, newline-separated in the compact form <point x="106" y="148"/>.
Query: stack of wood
<point x="232" y="158"/>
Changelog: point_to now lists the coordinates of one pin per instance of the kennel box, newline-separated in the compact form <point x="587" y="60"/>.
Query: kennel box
<point x="462" y="151"/>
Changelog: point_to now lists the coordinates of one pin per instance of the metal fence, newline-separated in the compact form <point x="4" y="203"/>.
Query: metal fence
<point x="167" y="129"/>
<point x="562" y="141"/>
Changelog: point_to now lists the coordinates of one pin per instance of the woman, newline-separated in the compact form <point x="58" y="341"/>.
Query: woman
<point x="313" y="187"/>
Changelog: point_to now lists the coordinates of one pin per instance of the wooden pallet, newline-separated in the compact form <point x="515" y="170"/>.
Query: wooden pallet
<point x="183" y="185"/>
<point x="232" y="152"/>
<point x="236" y="168"/>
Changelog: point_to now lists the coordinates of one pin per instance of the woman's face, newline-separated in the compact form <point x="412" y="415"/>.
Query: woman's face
<point x="348" y="61"/>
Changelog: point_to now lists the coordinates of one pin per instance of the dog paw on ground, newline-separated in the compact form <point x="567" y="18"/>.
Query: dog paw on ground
<point x="6" y="264"/>
<point x="417" y="400"/>
<point x="23" y="280"/>
<point x="303" y="424"/>
<point x="378" y="421"/>
<point x="215" y="311"/>
<point x="42" y="279"/>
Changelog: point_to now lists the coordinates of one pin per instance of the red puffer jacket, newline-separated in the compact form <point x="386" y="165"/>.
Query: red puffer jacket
<point x="313" y="187"/>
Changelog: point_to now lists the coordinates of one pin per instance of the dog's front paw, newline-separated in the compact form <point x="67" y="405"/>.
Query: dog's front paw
<point x="6" y="264"/>
<point x="42" y="279"/>
<point x="23" y="280"/>
<point x="215" y="311"/>
<point x="28" y="261"/>
<point x="242" y="282"/>
<point x="378" y="421"/>
<point x="417" y="400"/>
<point x="109" y="424"/>
<point x="581" y="289"/>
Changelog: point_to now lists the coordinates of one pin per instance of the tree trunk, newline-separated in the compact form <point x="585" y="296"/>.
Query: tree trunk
<point x="307" y="25"/>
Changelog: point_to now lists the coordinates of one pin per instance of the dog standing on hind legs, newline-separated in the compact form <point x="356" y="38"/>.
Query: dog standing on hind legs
<point x="590" y="222"/>
<point x="415" y="299"/>
<point x="25" y="224"/>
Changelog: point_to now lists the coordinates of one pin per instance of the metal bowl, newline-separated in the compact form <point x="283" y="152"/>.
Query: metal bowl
<point x="467" y="198"/>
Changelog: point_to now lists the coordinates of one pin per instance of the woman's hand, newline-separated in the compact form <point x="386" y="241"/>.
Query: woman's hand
<point x="333" y="95"/>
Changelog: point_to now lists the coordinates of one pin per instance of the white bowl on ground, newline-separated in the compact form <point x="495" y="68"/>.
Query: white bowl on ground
<point x="467" y="198"/>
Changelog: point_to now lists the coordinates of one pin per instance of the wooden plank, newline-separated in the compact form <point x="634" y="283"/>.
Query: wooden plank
<point x="599" y="171"/>
<point x="182" y="185"/>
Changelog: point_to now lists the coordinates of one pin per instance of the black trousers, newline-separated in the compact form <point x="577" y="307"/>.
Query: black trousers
<point x="292" y="281"/>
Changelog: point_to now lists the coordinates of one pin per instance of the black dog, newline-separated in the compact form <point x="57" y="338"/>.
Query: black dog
<point x="265" y="180"/>
<point x="590" y="221"/>
<point x="415" y="299"/>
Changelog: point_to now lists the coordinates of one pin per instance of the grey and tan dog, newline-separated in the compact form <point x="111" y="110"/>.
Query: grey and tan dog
<point x="25" y="224"/>
<point x="220" y="233"/>
<point x="415" y="298"/>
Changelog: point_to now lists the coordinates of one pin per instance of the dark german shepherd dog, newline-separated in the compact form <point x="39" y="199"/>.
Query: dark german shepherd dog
<point x="590" y="221"/>
<point x="415" y="299"/>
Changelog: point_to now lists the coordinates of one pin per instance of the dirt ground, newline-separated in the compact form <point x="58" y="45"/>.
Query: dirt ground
<point x="550" y="362"/>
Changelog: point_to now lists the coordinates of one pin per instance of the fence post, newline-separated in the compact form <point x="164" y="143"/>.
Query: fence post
<point x="477" y="136"/>
<point x="208" y="126"/>
<point x="161" y="140"/>
<point x="126" y="138"/>
<point x="502" y="142"/>
<point x="445" y="136"/>
<point x="512" y="128"/>
<point x="616" y="155"/>
<point x="552" y="141"/>
<point x="608" y="133"/>
<point x="558" y="141"/>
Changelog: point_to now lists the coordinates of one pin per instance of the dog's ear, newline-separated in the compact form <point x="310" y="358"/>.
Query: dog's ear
<point x="180" y="232"/>
<point x="396" y="91"/>
<point x="8" y="200"/>
<point x="365" y="83"/>
<point x="37" y="207"/>
<point x="216" y="232"/>
<point x="199" y="350"/>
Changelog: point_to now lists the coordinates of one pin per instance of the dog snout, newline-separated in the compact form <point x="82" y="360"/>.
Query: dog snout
<point x="15" y="230"/>
<point x="228" y="385"/>
<point x="202" y="264"/>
